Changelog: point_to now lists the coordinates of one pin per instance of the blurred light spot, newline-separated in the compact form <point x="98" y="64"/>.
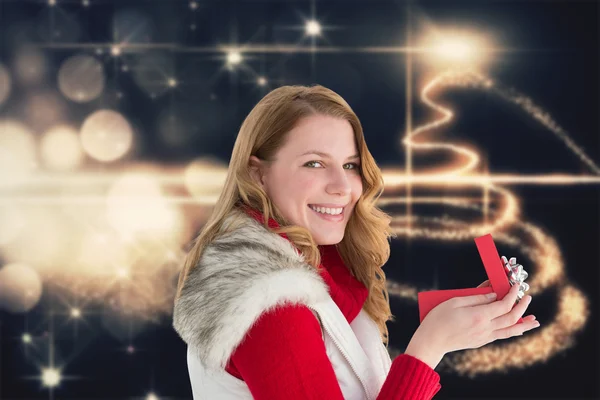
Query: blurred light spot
<point x="45" y="108"/>
<point x="61" y="149"/>
<point x="20" y="288"/>
<point x="122" y="273"/>
<point x="51" y="377"/>
<point x="151" y="71"/>
<point x="46" y="231"/>
<point x="30" y="65"/>
<point x="115" y="51"/>
<point x="234" y="58"/>
<point x="313" y="28"/>
<point x="204" y="178"/>
<point x="12" y="223"/>
<point x="94" y="262"/>
<point x="135" y="205"/>
<point x="81" y="78"/>
<point x="106" y="135"/>
<point x="17" y="151"/>
<point x="5" y="84"/>
<point x="454" y="47"/>
<point x="26" y="338"/>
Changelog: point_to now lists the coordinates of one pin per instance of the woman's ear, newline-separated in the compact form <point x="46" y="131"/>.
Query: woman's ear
<point x="255" y="166"/>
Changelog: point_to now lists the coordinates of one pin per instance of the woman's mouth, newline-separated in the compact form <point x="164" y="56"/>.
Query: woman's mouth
<point x="332" y="214"/>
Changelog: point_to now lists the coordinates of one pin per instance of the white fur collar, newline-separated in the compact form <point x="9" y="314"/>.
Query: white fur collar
<point x="241" y="274"/>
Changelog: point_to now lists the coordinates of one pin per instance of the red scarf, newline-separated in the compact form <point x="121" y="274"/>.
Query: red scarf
<point x="346" y="291"/>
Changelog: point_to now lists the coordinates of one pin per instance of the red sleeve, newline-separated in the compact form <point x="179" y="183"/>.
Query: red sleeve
<point x="283" y="357"/>
<point x="410" y="379"/>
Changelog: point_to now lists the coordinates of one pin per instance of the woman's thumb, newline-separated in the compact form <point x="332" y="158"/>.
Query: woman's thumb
<point x="475" y="300"/>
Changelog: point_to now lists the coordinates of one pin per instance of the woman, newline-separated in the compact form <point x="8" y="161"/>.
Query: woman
<point x="283" y="294"/>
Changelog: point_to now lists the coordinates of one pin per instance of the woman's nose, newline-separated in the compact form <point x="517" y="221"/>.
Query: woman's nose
<point x="339" y="183"/>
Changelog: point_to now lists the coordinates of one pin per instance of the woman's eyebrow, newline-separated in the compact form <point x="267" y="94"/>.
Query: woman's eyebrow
<point x="325" y="155"/>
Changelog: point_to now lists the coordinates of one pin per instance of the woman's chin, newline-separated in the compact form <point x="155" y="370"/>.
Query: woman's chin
<point x="324" y="240"/>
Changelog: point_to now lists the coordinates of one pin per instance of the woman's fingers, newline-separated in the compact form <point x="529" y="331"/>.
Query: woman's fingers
<point x="501" y="307"/>
<point x="485" y="284"/>
<point x="513" y="316"/>
<point x="516" y="329"/>
<point x="473" y="300"/>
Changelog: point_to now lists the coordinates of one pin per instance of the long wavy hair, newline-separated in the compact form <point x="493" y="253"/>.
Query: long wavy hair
<point x="365" y="247"/>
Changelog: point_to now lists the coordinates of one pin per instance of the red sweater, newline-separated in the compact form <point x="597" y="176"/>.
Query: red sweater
<point x="283" y="354"/>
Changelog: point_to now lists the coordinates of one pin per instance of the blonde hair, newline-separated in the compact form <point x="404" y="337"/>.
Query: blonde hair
<point x="365" y="247"/>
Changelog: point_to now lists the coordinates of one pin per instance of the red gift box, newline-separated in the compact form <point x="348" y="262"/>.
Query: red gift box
<point x="495" y="271"/>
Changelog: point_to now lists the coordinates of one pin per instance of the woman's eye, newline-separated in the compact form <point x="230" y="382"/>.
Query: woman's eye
<point x="310" y="163"/>
<point x="315" y="164"/>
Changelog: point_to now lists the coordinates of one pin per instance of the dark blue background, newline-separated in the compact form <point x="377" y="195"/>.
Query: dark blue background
<point x="558" y="68"/>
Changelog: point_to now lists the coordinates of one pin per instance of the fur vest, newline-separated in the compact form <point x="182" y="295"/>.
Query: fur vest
<point x="246" y="271"/>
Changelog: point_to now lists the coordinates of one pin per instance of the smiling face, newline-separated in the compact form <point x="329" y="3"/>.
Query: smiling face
<point x="314" y="179"/>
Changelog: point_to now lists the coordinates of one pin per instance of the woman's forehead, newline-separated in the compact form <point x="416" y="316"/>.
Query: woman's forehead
<point x="326" y="136"/>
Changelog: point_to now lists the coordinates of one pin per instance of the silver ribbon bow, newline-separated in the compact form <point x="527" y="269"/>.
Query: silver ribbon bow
<point x="516" y="275"/>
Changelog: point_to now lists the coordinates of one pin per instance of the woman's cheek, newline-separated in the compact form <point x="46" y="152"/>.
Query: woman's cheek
<point x="304" y="181"/>
<point x="357" y="187"/>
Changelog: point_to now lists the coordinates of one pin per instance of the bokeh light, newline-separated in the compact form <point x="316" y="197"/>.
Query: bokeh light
<point x="312" y="28"/>
<point x="17" y="152"/>
<point x="106" y="135"/>
<point x="51" y="377"/>
<point x="81" y="78"/>
<point x="456" y="48"/>
<point x="20" y="288"/>
<point x="204" y="179"/>
<point x="46" y="239"/>
<point x="60" y="148"/>
<point x="234" y="58"/>
<point x="12" y="224"/>
<point x="29" y="65"/>
<point x="151" y="71"/>
<point x="45" y="108"/>
<point x="5" y="84"/>
<point x="136" y="206"/>
<point x="26" y="338"/>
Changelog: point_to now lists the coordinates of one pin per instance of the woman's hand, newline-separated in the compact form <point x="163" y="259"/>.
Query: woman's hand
<point x="485" y="284"/>
<point x="469" y="322"/>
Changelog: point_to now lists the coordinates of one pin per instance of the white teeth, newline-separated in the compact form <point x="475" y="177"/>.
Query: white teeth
<point x="324" y="210"/>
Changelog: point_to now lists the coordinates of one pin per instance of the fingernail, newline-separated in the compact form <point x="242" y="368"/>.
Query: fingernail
<point x="536" y="324"/>
<point x="491" y="295"/>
